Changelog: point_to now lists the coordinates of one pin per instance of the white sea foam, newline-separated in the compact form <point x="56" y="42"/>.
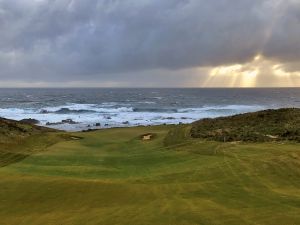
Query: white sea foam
<point x="102" y="108"/>
<point x="114" y="114"/>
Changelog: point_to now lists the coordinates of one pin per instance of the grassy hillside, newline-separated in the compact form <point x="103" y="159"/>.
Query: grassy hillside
<point x="11" y="131"/>
<point x="19" y="140"/>
<point x="112" y="176"/>
<point x="268" y="125"/>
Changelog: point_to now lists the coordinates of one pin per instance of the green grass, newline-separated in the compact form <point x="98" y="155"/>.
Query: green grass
<point x="18" y="140"/>
<point x="112" y="177"/>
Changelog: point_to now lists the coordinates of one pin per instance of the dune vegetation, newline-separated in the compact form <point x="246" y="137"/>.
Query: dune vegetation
<point x="267" y="125"/>
<point x="115" y="176"/>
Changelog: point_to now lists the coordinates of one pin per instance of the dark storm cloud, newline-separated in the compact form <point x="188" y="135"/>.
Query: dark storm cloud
<point x="63" y="40"/>
<point x="284" y="41"/>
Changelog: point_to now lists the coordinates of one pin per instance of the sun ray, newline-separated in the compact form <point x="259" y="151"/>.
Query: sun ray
<point x="252" y="74"/>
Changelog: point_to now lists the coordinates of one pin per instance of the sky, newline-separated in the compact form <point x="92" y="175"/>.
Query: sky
<point x="149" y="43"/>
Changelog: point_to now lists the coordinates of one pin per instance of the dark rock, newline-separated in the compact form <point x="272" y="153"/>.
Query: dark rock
<point x="55" y="123"/>
<point x="170" y="118"/>
<point x="44" y="111"/>
<point x="90" y="130"/>
<point x="69" y="121"/>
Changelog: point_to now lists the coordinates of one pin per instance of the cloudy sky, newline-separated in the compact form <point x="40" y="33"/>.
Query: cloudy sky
<point x="149" y="43"/>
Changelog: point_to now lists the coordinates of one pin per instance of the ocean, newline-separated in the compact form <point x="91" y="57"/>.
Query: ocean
<point x="119" y="107"/>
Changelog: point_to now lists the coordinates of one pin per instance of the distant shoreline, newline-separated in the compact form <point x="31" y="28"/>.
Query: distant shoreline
<point x="82" y="109"/>
<point x="95" y="128"/>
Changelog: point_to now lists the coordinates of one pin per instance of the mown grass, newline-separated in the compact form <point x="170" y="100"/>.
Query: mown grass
<point x="113" y="177"/>
<point x="19" y="149"/>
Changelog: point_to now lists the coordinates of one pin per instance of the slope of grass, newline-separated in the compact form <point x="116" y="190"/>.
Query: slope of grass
<point x="177" y="135"/>
<point x="19" y="140"/>
<point x="15" y="131"/>
<point x="113" y="177"/>
<point x="268" y="125"/>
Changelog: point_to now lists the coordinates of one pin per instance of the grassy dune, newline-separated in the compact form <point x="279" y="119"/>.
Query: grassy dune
<point x="113" y="177"/>
<point x="267" y="125"/>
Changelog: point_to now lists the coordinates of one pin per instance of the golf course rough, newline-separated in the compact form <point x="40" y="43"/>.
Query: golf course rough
<point x="112" y="176"/>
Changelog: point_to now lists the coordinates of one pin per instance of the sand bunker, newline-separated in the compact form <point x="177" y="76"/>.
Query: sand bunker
<point x="147" y="137"/>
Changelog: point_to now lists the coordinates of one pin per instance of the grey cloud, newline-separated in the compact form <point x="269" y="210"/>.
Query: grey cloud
<point x="284" y="41"/>
<point x="114" y="39"/>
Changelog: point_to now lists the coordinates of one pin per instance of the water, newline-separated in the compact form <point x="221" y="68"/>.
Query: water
<point x="132" y="107"/>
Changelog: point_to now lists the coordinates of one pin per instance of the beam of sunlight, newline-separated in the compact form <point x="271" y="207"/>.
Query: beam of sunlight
<point x="258" y="72"/>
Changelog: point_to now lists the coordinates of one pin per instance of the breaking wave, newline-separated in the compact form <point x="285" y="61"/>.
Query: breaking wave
<point x="114" y="114"/>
